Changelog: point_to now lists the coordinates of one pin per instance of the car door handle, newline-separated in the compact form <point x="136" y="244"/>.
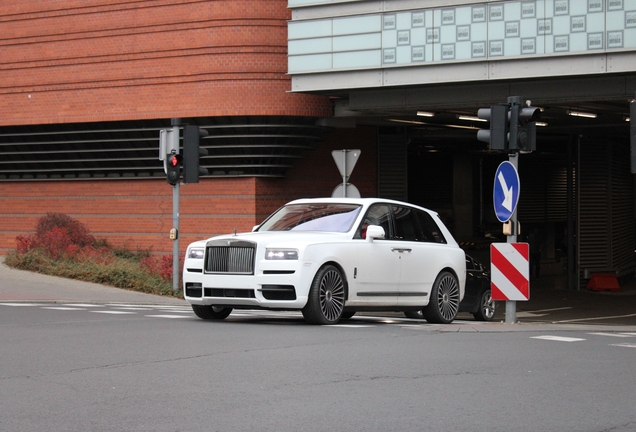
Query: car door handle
<point x="401" y="250"/>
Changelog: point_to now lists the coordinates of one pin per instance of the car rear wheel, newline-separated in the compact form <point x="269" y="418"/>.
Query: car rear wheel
<point x="325" y="304"/>
<point x="444" y="303"/>
<point x="211" y="312"/>
<point x="486" y="311"/>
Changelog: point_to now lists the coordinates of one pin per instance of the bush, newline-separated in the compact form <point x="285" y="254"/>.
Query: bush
<point x="77" y="231"/>
<point x="63" y="246"/>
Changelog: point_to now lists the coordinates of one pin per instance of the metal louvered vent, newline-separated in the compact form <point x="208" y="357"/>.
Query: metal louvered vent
<point x="237" y="147"/>
<point x="392" y="166"/>
<point x="605" y="215"/>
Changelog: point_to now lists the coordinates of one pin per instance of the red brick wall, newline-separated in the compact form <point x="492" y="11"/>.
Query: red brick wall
<point x="65" y="61"/>
<point x="137" y="214"/>
<point x="69" y="61"/>
<point x="133" y="213"/>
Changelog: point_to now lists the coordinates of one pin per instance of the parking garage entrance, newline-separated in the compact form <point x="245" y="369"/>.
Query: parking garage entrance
<point x="576" y="205"/>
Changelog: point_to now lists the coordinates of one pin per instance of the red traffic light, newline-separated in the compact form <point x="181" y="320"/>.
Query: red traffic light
<point x="174" y="160"/>
<point x="173" y="168"/>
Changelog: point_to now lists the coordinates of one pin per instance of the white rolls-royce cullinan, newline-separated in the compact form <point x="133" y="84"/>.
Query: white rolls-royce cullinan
<point x="330" y="258"/>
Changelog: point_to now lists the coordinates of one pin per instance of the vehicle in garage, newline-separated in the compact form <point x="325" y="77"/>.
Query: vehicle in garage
<point x="330" y="258"/>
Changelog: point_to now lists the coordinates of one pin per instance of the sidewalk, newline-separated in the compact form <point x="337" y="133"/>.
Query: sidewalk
<point x="25" y="286"/>
<point x="550" y="302"/>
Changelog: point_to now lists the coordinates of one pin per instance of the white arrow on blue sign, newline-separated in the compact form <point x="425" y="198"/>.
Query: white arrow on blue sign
<point x="506" y="191"/>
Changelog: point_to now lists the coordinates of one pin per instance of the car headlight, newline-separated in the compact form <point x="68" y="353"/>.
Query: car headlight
<point x="196" y="253"/>
<point x="281" y="254"/>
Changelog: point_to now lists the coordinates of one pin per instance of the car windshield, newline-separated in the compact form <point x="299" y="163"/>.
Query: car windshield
<point x="313" y="217"/>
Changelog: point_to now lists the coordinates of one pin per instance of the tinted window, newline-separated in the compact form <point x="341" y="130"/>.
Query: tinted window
<point x="407" y="226"/>
<point x="430" y="230"/>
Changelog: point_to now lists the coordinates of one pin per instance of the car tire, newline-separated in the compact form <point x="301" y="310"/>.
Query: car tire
<point x="211" y="312"/>
<point x="325" y="304"/>
<point x="347" y="315"/>
<point x="486" y="311"/>
<point x="444" y="302"/>
<point x="414" y="314"/>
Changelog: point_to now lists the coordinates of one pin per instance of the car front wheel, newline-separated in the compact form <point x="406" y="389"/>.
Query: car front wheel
<point x="486" y="311"/>
<point x="211" y="312"/>
<point x="325" y="304"/>
<point x="444" y="302"/>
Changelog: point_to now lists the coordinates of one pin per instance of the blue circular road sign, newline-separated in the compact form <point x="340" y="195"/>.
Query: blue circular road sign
<point x="506" y="191"/>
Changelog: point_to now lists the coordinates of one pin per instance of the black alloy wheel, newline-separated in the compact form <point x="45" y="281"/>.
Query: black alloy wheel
<point x="444" y="302"/>
<point x="325" y="304"/>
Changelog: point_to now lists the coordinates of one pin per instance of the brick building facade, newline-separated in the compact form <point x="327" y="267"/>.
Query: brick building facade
<point x="71" y="65"/>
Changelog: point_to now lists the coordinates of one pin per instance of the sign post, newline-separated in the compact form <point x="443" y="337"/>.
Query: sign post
<point x="345" y="161"/>
<point x="505" y="199"/>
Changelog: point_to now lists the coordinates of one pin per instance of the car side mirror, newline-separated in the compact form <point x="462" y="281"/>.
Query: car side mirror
<point x="375" y="232"/>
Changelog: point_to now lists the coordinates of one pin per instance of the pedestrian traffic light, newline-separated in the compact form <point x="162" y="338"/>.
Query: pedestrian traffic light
<point x="523" y="128"/>
<point x="192" y="152"/>
<point x="497" y="135"/>
<point x="173" y="168"/>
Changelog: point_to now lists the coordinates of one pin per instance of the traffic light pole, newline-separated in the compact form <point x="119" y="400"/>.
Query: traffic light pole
<point x="511" y="305"/>
<point x="175" y="213"/>
<point x="513" y="158"/>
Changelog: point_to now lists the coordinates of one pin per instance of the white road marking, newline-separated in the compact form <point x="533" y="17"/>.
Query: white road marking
<point x="612" y="334"/>
<point x="349" y="325"/>
<point x="63" y="308"/>
<point x="626" y="345"/>
<point x="557" y="338"/>
<point x="114" y="312"/>
<point x="84" y="305"/>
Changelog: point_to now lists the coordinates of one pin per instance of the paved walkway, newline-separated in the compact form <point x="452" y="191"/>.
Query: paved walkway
<point x="25" y="286"/>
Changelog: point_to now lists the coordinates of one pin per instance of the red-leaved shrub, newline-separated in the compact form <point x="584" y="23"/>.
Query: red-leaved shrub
<point x="161" y="266"/>
<point x="77" y="231"/>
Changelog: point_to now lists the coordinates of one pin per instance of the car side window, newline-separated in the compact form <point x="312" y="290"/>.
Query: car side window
<point x="430" y="230"/>
<point x="470" y="264"/>
<point x="378" y="214"/>
<point x="407" y="226"/>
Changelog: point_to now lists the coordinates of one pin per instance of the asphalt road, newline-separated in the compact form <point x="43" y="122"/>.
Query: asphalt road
<point x="77" y="357"/>
<point x="118" y="367"/>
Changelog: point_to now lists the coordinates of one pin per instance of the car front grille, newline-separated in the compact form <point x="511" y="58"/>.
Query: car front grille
<point x="229" y="292"/>
<point x="230" y="257"/>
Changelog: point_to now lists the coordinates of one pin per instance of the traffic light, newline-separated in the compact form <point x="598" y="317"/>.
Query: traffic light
<point x="192" y="152"/>
<point x="173" y="168"/>
<point x="497" y="135"/>
<point x="523" y="130"/>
